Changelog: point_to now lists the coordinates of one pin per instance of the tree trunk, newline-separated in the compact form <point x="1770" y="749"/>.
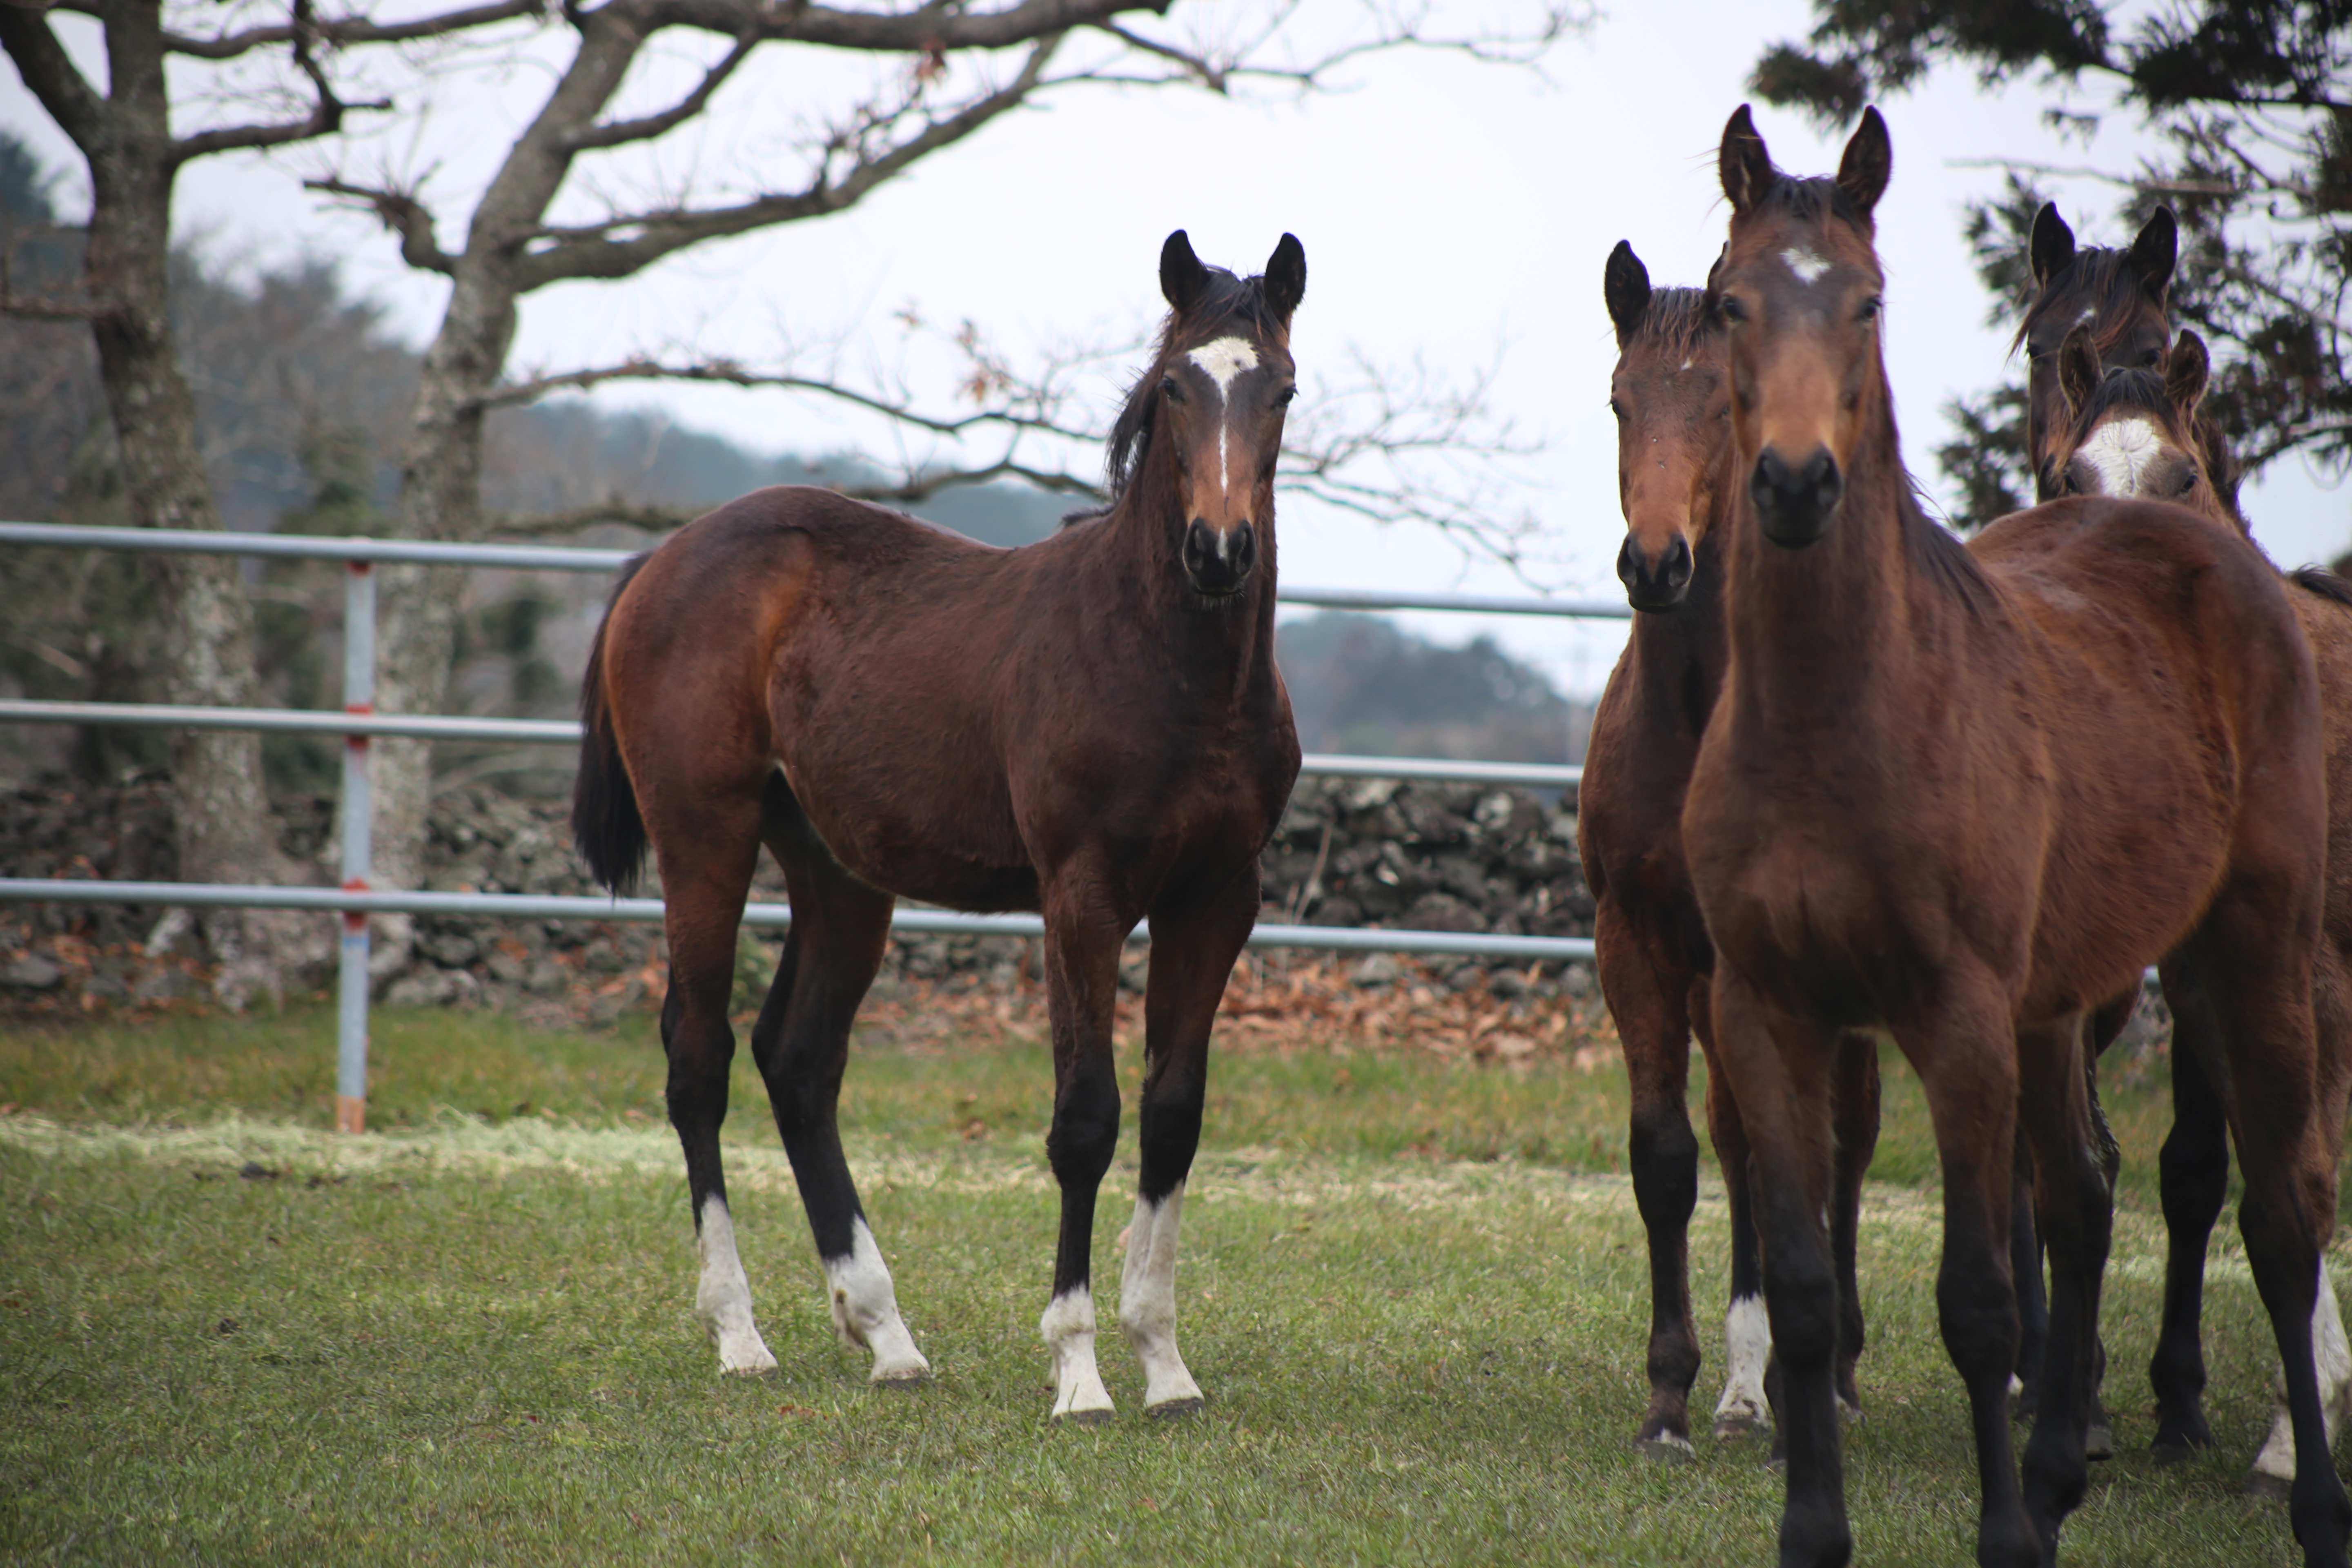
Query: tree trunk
<point x="223" y="826"/>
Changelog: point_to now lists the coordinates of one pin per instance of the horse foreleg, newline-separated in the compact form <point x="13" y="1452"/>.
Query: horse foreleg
<point x="1855" y="1114"/>
<point x="2261" y="1000"/>
<point x="841" y="929"/>
<point x="1778" y="1067"/>
<point x="2193" y="1173"/>
<point x="1192" y="952"/>
<point x="2075" y="1212"/>
<point x="1653" y="1023"/>
<point x="1082" y="979"/>
<point x="1963" y="1049"/>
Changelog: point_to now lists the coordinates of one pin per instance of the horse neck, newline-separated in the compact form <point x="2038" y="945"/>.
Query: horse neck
<point x="1819" y="633"/>
<point x="1679" y="654"/>
<point x="1225" y="650"/>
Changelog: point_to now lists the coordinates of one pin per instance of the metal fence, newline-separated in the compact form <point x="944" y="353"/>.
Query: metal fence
<point x="359" y="723"/>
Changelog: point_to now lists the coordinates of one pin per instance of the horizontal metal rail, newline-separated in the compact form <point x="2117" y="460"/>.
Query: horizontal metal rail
<point x="566" y="907"/>
<point x="563" y="558"/>
<point x="566" y="731"/>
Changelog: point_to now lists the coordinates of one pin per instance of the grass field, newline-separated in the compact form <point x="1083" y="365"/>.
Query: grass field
<point x="1413" y="1289"/>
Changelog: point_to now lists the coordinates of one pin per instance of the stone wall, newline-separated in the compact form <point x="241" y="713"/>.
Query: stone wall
<point x="1347" y="852"/>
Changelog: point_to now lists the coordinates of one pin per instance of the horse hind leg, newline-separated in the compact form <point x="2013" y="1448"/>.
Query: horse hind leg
<point x="1654" y="1022"/>
<point x="1745" y="1408"/>
<point x="706" y="870"/>
<point x="841" y="929"/>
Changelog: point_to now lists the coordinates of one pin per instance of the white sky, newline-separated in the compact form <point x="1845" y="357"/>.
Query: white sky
<point x="1453" y="212"/>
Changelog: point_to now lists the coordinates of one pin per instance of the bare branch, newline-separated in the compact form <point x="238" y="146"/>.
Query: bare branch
<point x="585" y="253"/>
<point x="653" y="125"/>
<point x="2155" y="183"/>
<point x="519" y="525"/>
<point x="931" y="481"/>
<point x="353" y="30"/>
<point x="78" y="109"/>
<point x="325" y="118"/>
<point x="732" y="374"/>
<point x="403" y="215"/>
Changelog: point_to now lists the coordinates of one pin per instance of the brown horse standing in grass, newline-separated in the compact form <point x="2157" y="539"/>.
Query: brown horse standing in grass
<point x="1091" y="726"/>
<point x="1967" y="795"/>
<point x="2141" y="432"/>
<point x="1672" y="401"/>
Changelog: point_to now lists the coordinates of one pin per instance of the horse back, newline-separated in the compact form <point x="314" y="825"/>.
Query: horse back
<point x="2175" y="691"/>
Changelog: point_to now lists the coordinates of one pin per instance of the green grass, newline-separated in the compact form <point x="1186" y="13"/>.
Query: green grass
<point x="1413" y="1289"/>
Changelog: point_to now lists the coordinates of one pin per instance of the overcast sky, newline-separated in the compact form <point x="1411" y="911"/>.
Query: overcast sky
<point x="1453" y="212"/>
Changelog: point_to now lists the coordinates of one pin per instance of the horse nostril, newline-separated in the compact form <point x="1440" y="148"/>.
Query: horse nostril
<point x="1628" y="564"/>
<point x="1217" y="562"/>
<point x="1794" y="504"/>
<point x="1676" y="570"/>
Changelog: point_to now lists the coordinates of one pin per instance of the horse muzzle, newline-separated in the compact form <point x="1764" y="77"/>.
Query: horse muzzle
<point x="1658" y="586"/>
<point x="1218" y="561"/>
<point x="1795" y="505"/>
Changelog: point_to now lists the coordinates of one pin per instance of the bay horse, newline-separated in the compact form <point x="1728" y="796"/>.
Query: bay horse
<point x="1091" y="726"/>
<point x="2133" y="431"/>
<point x="1670" y="398"/>
<point x="1967" y="795"/>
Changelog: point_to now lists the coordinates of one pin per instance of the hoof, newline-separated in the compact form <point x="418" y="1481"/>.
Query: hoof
<point x="2099" y="1440"/>
<point x="910" y="1378"/>
<point x="1666" y="1448"/>
<point x="749" y="1373"/>
<point x="1084" y="1419"/>
<point x="1175" y="1409"/>
<point x="1732" y="1428"/>
<point x="2262" y="1484"/>
<point x="2168" y="1454"/>
<point x="1849" y="1411"/>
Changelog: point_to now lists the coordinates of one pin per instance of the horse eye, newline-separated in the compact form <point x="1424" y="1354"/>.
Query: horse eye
<point x="1869" y="312"/>
<point x="1616" y="408"/>
<point x="2188" y="482"/>
<point x="1730" y="308"/>
<point x="1282" y="399"/>
<point x="2153" y="358"/>
<point x="1169" y="389"/>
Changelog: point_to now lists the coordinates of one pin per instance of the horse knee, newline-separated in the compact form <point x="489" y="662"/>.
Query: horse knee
<point x="1805" y="1311"/>
<point x="1085" y="1134"/>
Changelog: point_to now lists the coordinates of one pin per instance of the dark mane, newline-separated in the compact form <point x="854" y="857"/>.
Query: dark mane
<point x="1675" y="318"/>
<point x="2097" y="275"/>
<point x="1225" y="301"/>
<point x="2319" y="580"/>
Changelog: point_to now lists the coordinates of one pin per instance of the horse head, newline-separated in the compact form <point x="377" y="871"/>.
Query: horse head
<point x="1798" y="293"/>
<point x="1211" y="408"/>
<point x="2120" y="297"/>
<point x="2134" y="431"/>
<point x="1673" y="404"/>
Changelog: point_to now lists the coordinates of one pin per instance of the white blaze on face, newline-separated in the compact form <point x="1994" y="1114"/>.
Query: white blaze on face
<point x="722" y="1297"/>
<point x="2331" y="1356"/>
<point x="1147" y="1302"/>
<point x="1807" y="265"/>
<point x="1068" y="1327"/>
<point x="1222" y="362"/>
<point x="1748" y="1337"/>
<point x="2120" y="452"/>
<point x="866" y="1309"/>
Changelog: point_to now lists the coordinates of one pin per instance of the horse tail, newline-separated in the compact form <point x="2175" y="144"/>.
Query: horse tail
<point x="2319" y="580"/>
<point x="605" y="823"/>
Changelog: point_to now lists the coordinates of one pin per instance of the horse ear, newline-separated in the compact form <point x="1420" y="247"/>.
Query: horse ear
<point x="2078" y="369"/>
<point x="1285" y="277"/>
<point x="1625" y="285"/>
<point x="2185" y="370"/>
<point x="1743" y="164"/>
<point x="2156" y="250"/>
<point x="1869" y="160"/>
<point x="1180" y="272"/>
<point x="2052" y="246"/>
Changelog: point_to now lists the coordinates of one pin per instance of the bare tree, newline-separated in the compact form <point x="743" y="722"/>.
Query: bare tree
<point x="959" y="67"/>
<point x="124" y="131"/>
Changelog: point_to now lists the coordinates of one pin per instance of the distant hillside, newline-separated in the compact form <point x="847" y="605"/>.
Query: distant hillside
<point x="1362" y="683"/>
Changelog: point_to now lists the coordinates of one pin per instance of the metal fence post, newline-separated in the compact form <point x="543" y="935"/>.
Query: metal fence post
<point x="359" y="851"/>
